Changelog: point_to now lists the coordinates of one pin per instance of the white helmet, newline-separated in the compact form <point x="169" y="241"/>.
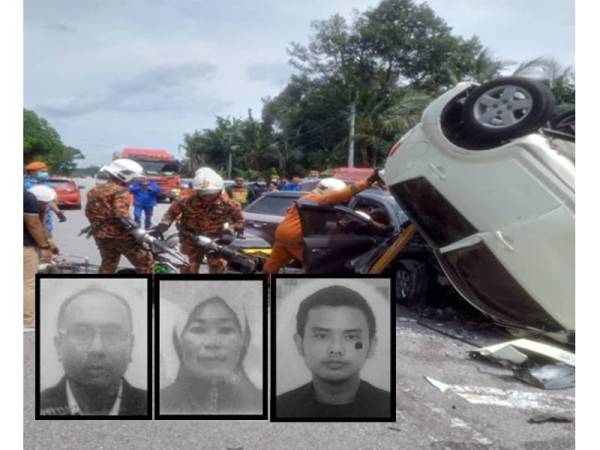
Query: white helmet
<point x="207" y="181"/>
<point x="43" y="193"/>
<point x="124" y="169"/>
<point x="329" y="185"/>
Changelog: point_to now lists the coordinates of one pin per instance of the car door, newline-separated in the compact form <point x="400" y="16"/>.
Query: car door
<point x="327" y="245"/>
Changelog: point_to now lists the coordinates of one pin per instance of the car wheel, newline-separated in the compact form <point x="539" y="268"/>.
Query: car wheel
<point x="126" y="271"/>
<point x="564" y="122"/>
<point x="507" y="108"/>
<point x="412" y="281"/>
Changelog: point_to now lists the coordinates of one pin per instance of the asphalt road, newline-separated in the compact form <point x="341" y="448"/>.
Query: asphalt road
<point x="493" y="416"/>
<point x="485" y="409"/>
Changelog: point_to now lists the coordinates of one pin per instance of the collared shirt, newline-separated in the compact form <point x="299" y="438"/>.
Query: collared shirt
<point x="76" y="410"/>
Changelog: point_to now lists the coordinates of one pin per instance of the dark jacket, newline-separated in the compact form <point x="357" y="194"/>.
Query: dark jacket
<point x="189" y="395"/>
<point x="53" y="401"/>
<point x="370" y="402"/>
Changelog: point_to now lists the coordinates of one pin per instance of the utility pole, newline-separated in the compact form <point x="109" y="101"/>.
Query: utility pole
<point x="351" y="138"/>
<point x="229" y="160"/>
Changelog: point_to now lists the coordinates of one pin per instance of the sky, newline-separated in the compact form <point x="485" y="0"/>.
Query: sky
<point x="107" y="74"/>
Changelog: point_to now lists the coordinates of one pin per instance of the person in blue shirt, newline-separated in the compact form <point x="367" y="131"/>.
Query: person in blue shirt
<point x="145" y="193"/>
<point x="293" y="185"/>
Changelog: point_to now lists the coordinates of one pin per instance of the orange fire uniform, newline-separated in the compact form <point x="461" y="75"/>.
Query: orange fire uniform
<point x="289" y="236"/>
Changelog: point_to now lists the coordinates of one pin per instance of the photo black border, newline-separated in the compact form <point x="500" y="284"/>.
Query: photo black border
<point x="91" y="277"/>
<point x="211" y="277"/>
<point x="273" y="416"/>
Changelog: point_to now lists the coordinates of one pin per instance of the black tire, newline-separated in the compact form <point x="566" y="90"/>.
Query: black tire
<point x="413" y="282"/>
<point x="564" y="122"/>
<point x="126" y="271"/>
<point x="528" y="108"/>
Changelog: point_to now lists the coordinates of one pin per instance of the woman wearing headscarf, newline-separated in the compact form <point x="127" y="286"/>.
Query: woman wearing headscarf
<point x="211" y="347"/>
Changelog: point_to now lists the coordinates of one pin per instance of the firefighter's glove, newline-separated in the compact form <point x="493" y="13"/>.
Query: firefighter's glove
<point x="159" y="229"/>
<point x="61" y="216"/>
<point x="227" y="237"/>
<point x="375" y="177"/>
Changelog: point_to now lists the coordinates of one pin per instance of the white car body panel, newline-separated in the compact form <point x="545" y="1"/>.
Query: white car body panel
<point x="520" y="197"/>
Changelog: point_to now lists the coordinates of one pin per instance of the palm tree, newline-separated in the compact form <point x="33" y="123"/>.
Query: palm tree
<point x="559" y="78"/>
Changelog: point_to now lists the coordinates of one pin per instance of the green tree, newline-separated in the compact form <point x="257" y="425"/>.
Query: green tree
<point x="41" y="142"/>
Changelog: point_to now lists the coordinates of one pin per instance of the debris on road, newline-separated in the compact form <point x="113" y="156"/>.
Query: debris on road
<point x="520" y="350"/>
<point x="548" y="376"/>
<point x="535" y="363"/>
<point x="483" y="395"/>
<point x="544" y="418"/>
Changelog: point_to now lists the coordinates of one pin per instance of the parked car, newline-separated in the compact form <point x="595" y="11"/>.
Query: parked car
<point x="67" y="192"/>
<point x="266" y="212"/>
<point x="493" y="193"/>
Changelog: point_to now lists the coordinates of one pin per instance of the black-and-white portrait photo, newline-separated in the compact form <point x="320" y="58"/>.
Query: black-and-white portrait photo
<point x="211" y="348"/>
<point x="93" y="347"/>
<point x="333" y="349"/>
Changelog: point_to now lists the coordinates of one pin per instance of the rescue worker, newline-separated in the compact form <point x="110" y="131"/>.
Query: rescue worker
<point x="205" y="212"/>
<point x="105" y="204"/>
<point x="240" y="192"/>
<point x="145" y="193"/>
<point x="289" y="236"/>
<point x="36" y="173"/>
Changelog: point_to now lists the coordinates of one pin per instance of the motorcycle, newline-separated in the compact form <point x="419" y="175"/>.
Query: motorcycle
<point x="238" y="261"/>
<point x="167" y="259"/>
<point x="68" y="264"/>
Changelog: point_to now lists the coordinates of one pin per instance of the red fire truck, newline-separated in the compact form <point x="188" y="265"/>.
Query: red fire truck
<point x="160" y="166"/>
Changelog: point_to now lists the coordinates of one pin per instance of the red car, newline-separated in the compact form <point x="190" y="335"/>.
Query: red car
<point x="67" y="192"/>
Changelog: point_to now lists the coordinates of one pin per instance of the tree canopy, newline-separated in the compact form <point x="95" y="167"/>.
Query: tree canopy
<point x="41" y="142"/>
<point x="390" y="61"/>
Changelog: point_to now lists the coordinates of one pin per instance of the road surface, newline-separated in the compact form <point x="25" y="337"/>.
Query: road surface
<point x="426" y="418"/>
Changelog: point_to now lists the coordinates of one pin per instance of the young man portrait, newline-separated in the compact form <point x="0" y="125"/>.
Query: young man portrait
<point x="336" y="335"/>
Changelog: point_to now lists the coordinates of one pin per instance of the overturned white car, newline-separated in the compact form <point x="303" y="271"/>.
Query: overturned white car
<point x="493" y="193"/>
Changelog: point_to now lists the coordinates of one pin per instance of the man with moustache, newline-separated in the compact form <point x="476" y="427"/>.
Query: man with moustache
<point x="94" y="343"/>
<point x="335" y="334"/>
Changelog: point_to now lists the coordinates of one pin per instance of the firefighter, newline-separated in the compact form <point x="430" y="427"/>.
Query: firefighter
<point x="289" y="236"/>
<point x="105" y="204"/>
<point x="205" y="212"/>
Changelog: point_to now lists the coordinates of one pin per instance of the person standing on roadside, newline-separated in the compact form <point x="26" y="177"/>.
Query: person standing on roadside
<point x="36" y="173"/>
<point x="240" y="192"/>
<point x="35" y="240"/>
<point x="145" y="193"/>
<point x="260" y="187"/>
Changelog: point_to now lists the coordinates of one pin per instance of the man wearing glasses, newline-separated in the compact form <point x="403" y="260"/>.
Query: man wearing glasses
<point x="94" y="343"/>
